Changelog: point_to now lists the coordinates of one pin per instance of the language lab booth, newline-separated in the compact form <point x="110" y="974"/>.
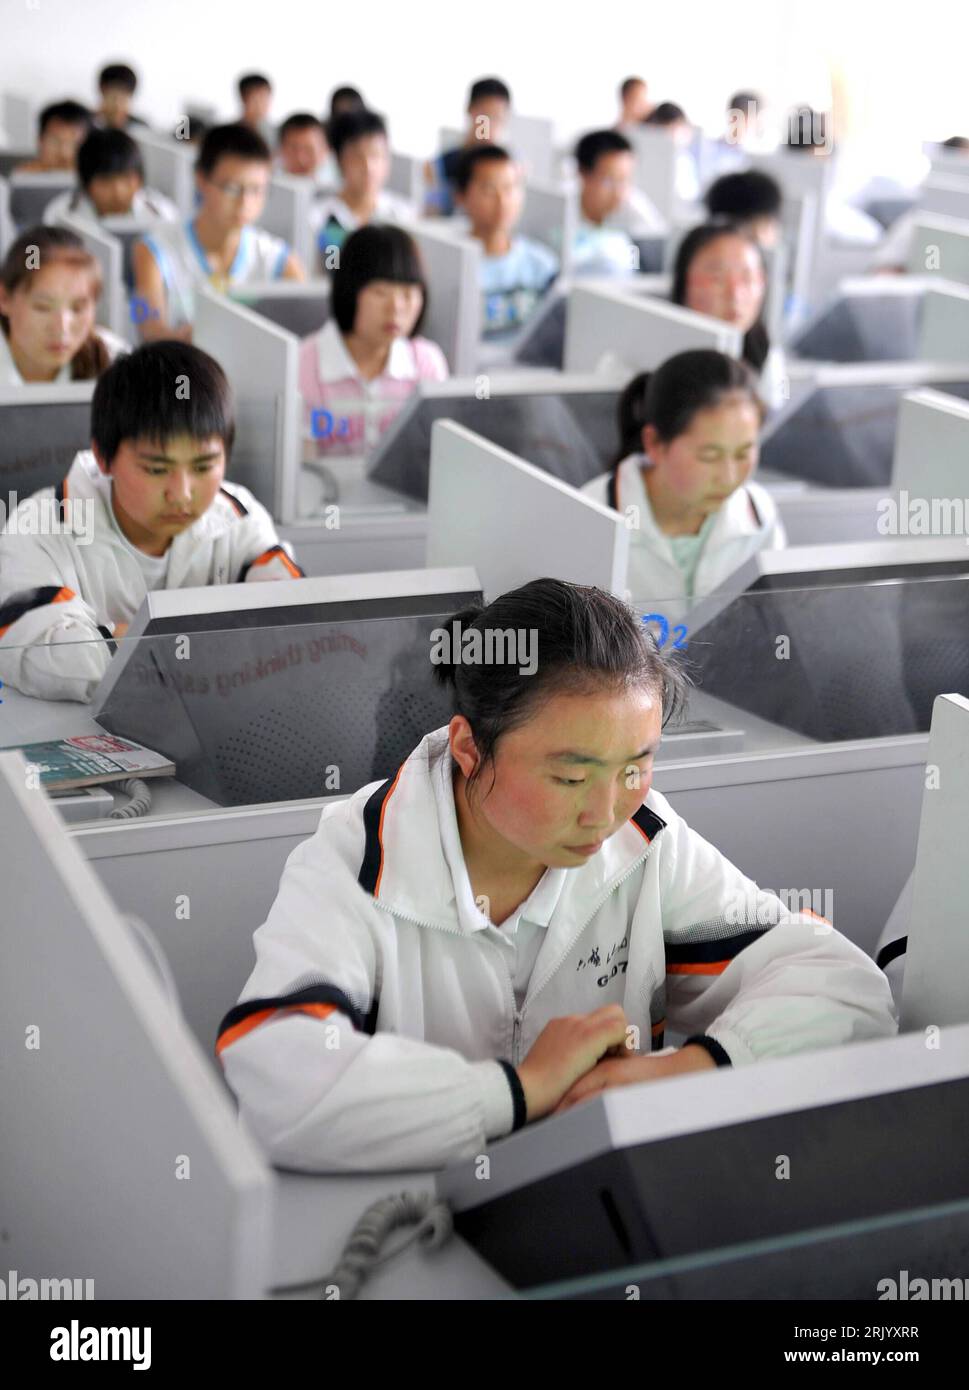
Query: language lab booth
<point x="824" y="680"/>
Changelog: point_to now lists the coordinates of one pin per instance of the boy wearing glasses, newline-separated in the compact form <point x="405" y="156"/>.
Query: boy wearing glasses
<point x="219" y="245"/>
<point x="612" y="213"/>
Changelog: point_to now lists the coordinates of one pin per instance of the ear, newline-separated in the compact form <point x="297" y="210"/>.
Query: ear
<point x="652" y="445"/>
<point x="461" y="740"/>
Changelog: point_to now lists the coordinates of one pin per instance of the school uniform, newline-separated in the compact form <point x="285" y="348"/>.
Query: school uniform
<point x="10" y="374"/>
<point x="63" y="593"/>
<point x="183" y="263"/>
<point x="513" y="283"/>
<point x="333" y="221"/>
<point x="148" y="205"/>
<point x="351" y="413"/>
<point x="672" y="569"/>
<point x="380" y="1027"/>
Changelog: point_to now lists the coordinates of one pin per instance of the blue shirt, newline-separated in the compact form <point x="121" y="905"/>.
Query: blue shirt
<point x="512" y="284"/>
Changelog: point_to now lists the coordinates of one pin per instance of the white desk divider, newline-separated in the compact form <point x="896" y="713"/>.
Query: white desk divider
<point x="453" y="317"/>
<point x="944" y="329"/>
<point x="941" y="245"/>
<point x="287" y="214"/>
<point x="550" y="215"/>
<point x="108" y="251"/>
<point x="636" y="332"/>
<point x="169" y="167"/>
<point x="931" y="457"/>
<point x="514" y="522"/>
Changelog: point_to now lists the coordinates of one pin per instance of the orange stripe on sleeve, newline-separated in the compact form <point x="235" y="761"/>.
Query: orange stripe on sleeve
<point x="707" y="967"/>
<point x="247" y="1025"/>
<point x="380" y="829"/>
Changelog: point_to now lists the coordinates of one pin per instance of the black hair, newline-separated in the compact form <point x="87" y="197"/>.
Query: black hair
<point x="599" y="142"/>
<point x="488" y="87"/>
<point x="667" y="113"/>
<point x="118" y="75"/>
<point x="348" y="97"/>
<point x="956" y="142"/>
<point x="743" y="102"/>
<point x="629" y="84"/>
<point x="40" y="246"/>
<point x="70" y="112"/>
<point x="756" y="344"/>
<point x="354" y="125"/>
<point x="138" y="397"/>
<point x="587" y="640"/>
<point x="250" y="82"/>
<point x="669" y="397"/>
<point x="300" y="120"/>
<point x="802" y="125"/>
<point x="239" y="140"/>
<point x="375" y="252"/>
<point x="744" y="195"/>
<point x="471" y="158"/>
<point x="106" y="152"/>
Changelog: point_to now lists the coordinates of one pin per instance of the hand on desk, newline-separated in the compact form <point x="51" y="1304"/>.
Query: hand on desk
<point x="628" y="1071"/>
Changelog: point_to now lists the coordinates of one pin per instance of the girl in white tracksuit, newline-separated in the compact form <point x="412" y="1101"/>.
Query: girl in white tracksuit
<point x="506" y="925"/>
<point x="689" y="442"/>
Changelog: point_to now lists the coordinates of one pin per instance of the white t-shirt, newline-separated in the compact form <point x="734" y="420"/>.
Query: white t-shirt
<point x="183" y="263"/>
<point x="521" y="935"/>
<point x="10" y="375"/>
<point x="146" y="206"/>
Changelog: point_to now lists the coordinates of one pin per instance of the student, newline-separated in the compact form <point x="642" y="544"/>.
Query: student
<point x="752" y="201"/>
<point x="359" y="142"/>
<point x="634" y="103"/>
<point x="256" y="96"/>
<point x="489" y="106"/>
<point x="516" y="918"/>
<point x="611" y="211"/>
<point x="147" y="508"/>
<point x="809" y="134"/>
<point x="60" y="129"/>
<point x="682" y="476"/>
<point x="344" y="101"/>
<point x="720" y="271"/>
<point x="357" y="372"/>
<point x="302" y="149"/>
<point x="49" y="288"/>
<point x="672" y="119"/>
<point x="219" y="246"/>
<point x="111" y="178"/>
<point x="515" y="271"/>
<point x="117" y="84"/>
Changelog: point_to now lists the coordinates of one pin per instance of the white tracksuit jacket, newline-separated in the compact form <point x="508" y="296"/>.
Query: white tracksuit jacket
<point x="63" y="593"/>
<point x="746" y="523"/>
<point x="376" y="1032"/>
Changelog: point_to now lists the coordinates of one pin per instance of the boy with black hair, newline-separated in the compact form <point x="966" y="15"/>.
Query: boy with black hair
<point x="302" y="150"/>
<point x="752" y="201"/>
<point x="117" y="84"/>
<point x="61" y="127"/>
<point x="219" y="245"/>
<point x="256" y="96"/>
<point x="634" y="102"/>
<point x="146" y="508"/>
<point x="489" y="106"/>
<point x="362" y="152"/>
<point x="111" y="176"/>
<point x="515" y="271"/>
<point x="612" y="213"/>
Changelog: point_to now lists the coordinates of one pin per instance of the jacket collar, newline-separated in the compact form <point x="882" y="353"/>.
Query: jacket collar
<point x="403" y="832"/>
<point x="334" y="363"/>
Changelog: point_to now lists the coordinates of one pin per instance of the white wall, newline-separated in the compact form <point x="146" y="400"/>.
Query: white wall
<point x="413" y="59"/>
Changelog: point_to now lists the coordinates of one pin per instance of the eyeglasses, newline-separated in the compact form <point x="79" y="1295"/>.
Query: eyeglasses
<point x="241" y="190"/>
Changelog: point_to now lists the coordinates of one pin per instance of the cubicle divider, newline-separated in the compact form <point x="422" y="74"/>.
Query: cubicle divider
<point x="550" y="215"/>
<point x="44" y="426"/>
<point x="8" y="231"/>
<point x="655" y="171"/>
<point x="31" y="192"/>
<point x="453" y="317"/>
<point x="944" y="328"/>
<point x="169" y="167"/>
<point x="406" y="178"/>
<point x="300" y="306"/>
<point x="262" y="364"/>
<point x="940" y="245"/>
<point x="931" y="458"/>
<point x="514" y="522"/>
<point x="946" y="195"/>
<point x="635" y="333"/>
<point x="287" y="214"/>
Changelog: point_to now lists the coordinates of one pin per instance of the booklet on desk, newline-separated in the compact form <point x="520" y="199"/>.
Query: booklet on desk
<point x="90" y="759"/>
